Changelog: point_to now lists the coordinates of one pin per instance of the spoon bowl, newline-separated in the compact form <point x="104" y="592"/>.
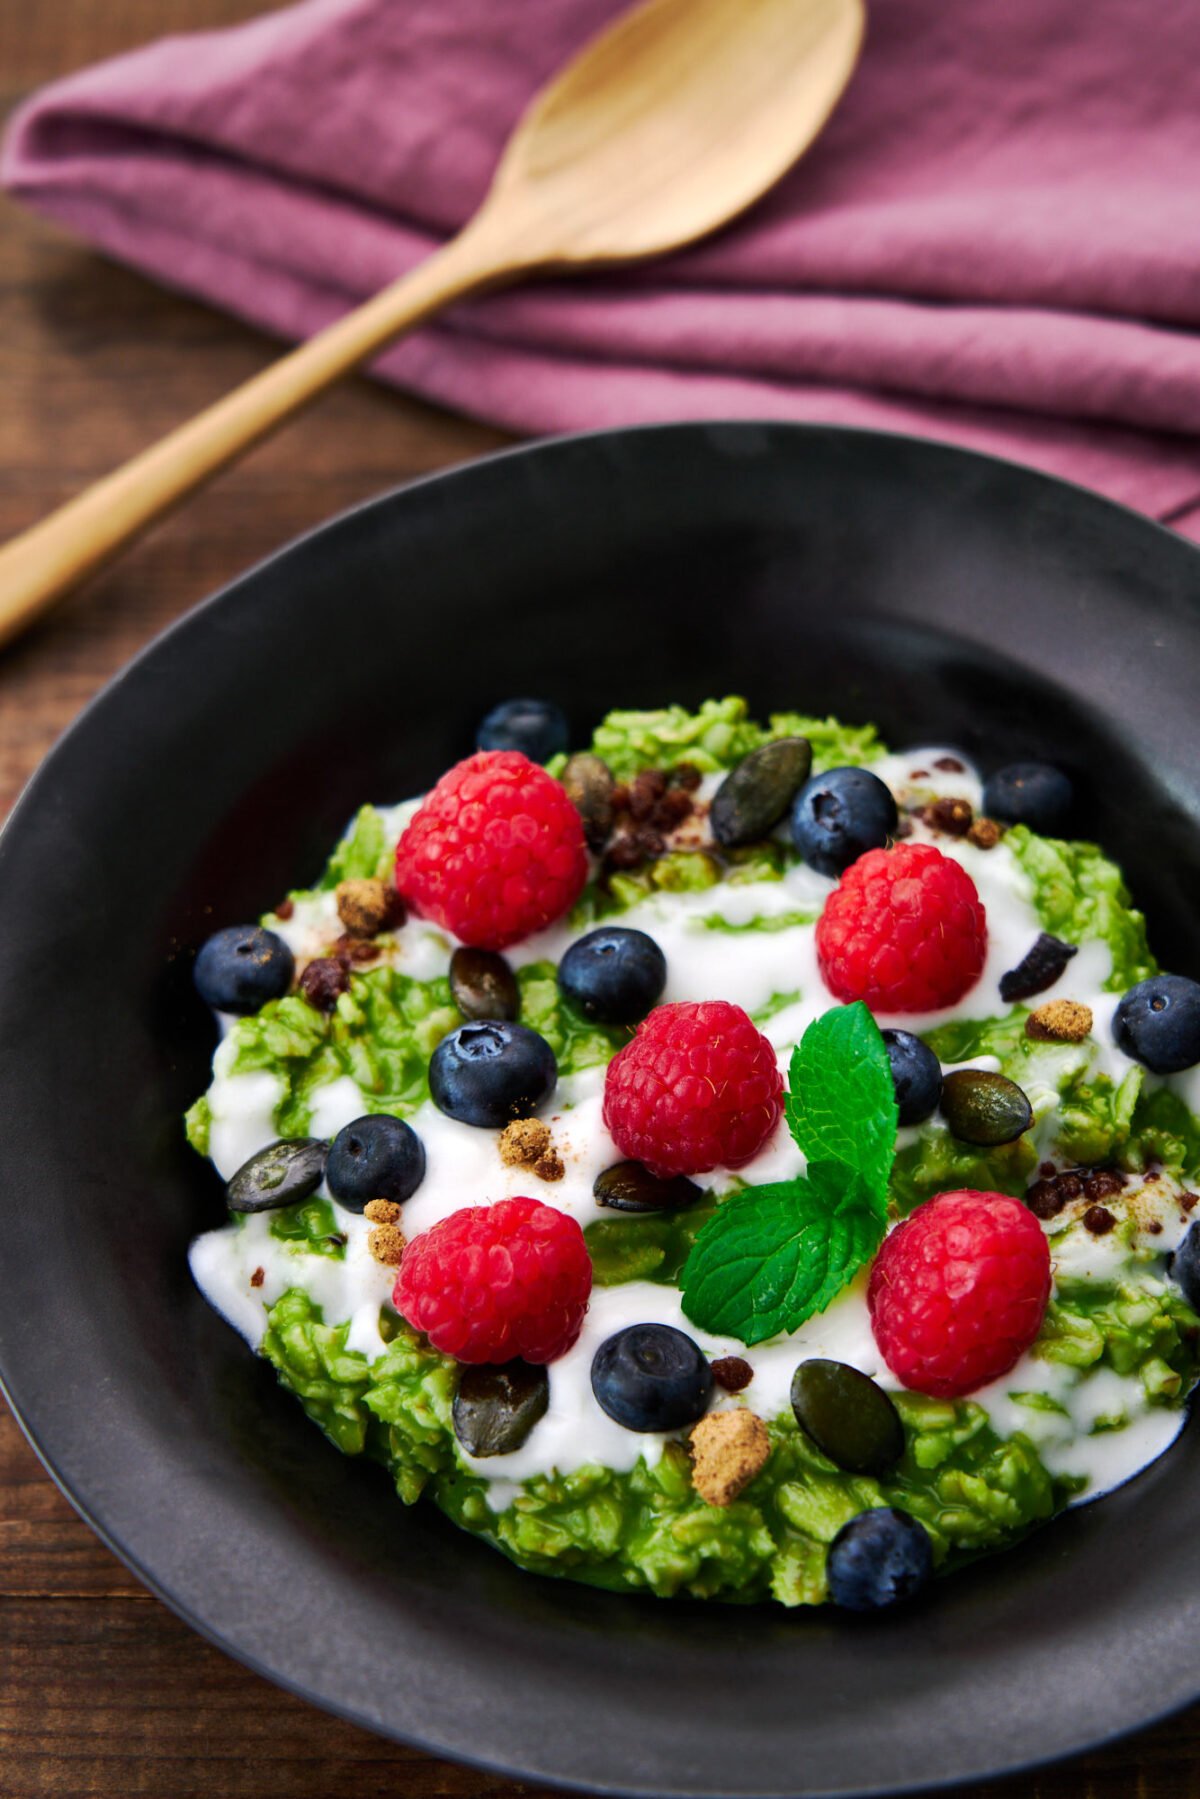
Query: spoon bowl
<point x="672" y="122"/>
<point x="667" y="125"/>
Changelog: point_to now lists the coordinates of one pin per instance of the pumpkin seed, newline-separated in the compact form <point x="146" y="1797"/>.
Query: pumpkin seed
<point x="483" y="985"/>
<point x="754" y="796"/>
<point x="985" y="1108"/>
<point x="495" y="1408"/>
<point x="279" y="1175"/>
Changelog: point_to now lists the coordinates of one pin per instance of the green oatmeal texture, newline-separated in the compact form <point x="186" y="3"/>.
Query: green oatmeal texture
<point x="648" y="1530"/>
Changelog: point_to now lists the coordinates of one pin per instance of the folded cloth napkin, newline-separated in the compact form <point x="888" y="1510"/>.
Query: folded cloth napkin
<point x="996" y="240"/>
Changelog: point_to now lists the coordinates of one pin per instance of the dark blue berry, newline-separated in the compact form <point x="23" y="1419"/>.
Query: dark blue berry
<point x="1158" y="1023"/>
<point x="613" y="976"/>
<point x="490" y="1072"/>
<point x="878" y="1559"/>
<point x="916" y="1075"/>
<point x="1185" y="1266"/>
<point x="651" y="1377"/>
<point x="538" y="728"/>
<point x="1038" y="968"/>
<point x="377" y="1157"/>
<point x="240" y="969"/>
<point x="840" y="815"/>
<point x="1029" y="793"/>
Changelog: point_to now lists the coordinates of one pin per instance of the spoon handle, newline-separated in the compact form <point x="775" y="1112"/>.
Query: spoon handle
<point x="44" y="563"/>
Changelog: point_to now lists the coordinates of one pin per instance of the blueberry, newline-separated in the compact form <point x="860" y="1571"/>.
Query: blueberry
<point x="240" y="969"/>
<point x="1029" y="793"/>
<point x="490" y="1072"/>
<point x="651" y="1377"/>
<point x="1185" y="1266"/>
<point x="538" y="728"/>
<point x="613" y="976"/>
<point x="1158" y="1023"/>
<point x="878" y="1559"/>
<point x="377" y="1157"/>
<point x="839" y="815"/>
<point x="916" y="1075"/>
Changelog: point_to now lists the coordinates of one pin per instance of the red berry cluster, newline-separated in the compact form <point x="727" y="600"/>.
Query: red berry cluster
<point x="905" y="930"/>
<point x="495" y="853"/>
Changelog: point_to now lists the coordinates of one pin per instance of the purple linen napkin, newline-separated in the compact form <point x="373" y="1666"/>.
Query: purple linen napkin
<point x="995" y="241"/>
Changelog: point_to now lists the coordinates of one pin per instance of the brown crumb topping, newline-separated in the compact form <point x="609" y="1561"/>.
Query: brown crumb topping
<point x="364" y="907"/>
<point x="732" y="1373"/>
<point x="386" y="1243"/>
<point x="646" y="811"/>
<point x="1099" y="1220"/>
<point x="950" y="765"/>
<point x="349" y="950"/>
<point x="258" y="1277"/>
<point x="285" y="909"/>
<point x="728" y="1450"/>
<point x="985" y="833"/>
<point x="527" y="1143"/>
<point x="523" y="1141"/>
<point x="1059" y="1021"/>
<point x="381" y="1211"/>
<point x="954" y="817"/>
<point x="322" y="980"/>
<point x="1047" y="1197"/>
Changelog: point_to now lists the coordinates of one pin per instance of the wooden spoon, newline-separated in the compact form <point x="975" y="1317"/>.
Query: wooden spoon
<point x="665" y="126"/>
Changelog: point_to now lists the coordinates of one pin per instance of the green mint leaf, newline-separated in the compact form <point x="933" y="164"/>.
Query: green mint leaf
<point x="841" y="1104"/>
<point x="773" y="1256"/>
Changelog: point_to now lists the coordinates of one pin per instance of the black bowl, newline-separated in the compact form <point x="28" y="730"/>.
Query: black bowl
<point x="946" y="596"/>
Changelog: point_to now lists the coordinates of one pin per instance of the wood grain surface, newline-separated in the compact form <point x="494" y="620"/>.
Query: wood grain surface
<point x="102" y="1690"/>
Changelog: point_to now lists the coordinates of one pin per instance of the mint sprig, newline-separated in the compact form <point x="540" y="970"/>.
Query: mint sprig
<point x="772" y="1256"/>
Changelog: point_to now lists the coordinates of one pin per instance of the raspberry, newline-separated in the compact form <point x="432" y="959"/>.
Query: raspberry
<point x="495" y="853"/>
<point x="904" y="930"/>
<point x="492" y="1282"/>
<point x="697" y="1088"/>
<point x="958" y="1291"/>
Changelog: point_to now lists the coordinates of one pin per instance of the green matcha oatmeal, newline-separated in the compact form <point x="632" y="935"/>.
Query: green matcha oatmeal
<point x="733" y="1160"/>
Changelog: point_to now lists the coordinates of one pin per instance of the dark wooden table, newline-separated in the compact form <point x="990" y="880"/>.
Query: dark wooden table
<point x="102" y="1690"/>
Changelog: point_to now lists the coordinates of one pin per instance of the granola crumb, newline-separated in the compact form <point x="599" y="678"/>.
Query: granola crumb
<point x="524" y="1143"/>
<point x="322" y="980"/>
<point x="728" y="1450"/>
<point x="349" y="950"/>
<point x="382" y="1211"/>
<point x="732" y="1372"/>
<point x="1098" y="1220"/>
<point x="950" y="765"/>
<point x="363" y="906"/>
<point x="549" y="1167"/>
<point x="954" y="817"/>
<point x="386" y="1243"/>
<point x="1059" y="1021"/>
<point x="258" y="1277"/>
<point x="984" y="833"/>
<point x="285" y="909"/>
